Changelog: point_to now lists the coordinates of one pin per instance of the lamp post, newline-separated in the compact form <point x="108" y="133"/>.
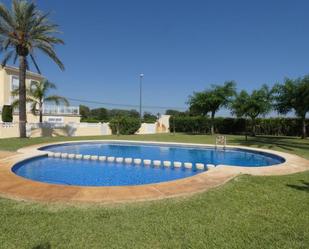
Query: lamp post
<point x="141" y="76"/>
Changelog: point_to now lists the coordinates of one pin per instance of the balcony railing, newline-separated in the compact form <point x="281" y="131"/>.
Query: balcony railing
<point x="61" y="110"/>
<point x="54" y="110"/>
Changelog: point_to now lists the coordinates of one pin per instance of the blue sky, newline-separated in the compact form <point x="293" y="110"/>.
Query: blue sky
<point x="180" y="46"/>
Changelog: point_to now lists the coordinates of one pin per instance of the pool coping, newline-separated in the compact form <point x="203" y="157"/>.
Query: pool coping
<point x="15" y="187"/>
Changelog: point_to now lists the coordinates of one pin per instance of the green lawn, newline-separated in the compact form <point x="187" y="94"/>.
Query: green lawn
<point x="247" y="212"/>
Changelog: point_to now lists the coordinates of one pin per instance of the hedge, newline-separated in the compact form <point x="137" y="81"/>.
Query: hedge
<point x="7" y="113"/>
<point x="264" y="126"/>
<point x="125" y="125"/>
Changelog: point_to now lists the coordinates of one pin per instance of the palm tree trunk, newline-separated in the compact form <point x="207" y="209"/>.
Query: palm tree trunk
<point x="253" y="127"/>
<point x="41" y="112"/>
<point x="304" y="132"/>
<point x="41" y="116"/>
<point x="212" y="123"/>
<point x="22" y="97"/>
<point x="246" y="132"/>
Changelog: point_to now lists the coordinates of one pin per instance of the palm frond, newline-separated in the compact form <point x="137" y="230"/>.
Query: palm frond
<point x="15" y="103"/>
<point x="34" y="63"/>
<point x="6" y="58"/>
<point x="33" y="108"/>
<point x="6" y="43"/>
<point x="51" y="40"/>
<point x="25" y="26"/>
<point x="4" y="30"/>
<point x="15" y="58"/>
<point x="44" y="29"/>
<point x="49" y="85"/>
<point x="15" y="92"/>
<point x="57" y="99"/>
<point x="50" y="53"/>
<point x="6" y="16"/>
<point x="30" y="11"/>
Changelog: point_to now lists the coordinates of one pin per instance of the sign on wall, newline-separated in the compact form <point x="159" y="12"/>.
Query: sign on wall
<point x="54" y="119"/>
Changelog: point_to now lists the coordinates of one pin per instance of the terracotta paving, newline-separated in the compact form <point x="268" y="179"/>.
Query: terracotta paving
<point x="16" y="187"/>
<point x="4" y="154"/>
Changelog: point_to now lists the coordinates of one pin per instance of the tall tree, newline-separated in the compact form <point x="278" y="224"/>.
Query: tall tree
<point x="211" y="100"/>
<point x="173" y="112"/>
<point x="84" y="111"/>
<point x="100" y="114"/>
<point x="37" y="96"/>
<point x="148" y="117"/>
<point x="293" y="95"/>
<point x="253" y="105"/>
<point x="24" y="30"/>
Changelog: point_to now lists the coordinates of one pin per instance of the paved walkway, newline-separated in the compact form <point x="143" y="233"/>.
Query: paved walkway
<point x="4" y="154"/>
<point x="16" y="187"/>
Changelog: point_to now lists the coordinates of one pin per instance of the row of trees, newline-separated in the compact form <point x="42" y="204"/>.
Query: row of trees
<point x="292" y="95"/>
<point x="102" y="114"/>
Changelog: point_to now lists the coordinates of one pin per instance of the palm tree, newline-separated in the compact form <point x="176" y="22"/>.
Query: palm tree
<point x="253" y="105"/>
<point x="211" y="100"/>
<point x="37" y="96"/>
<point x="23" y="31"/>
<point x="293" y="95"/>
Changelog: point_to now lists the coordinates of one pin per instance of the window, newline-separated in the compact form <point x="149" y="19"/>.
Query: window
<point x="33" y="84"/>
<point x="14" y="86"/>
<point x="14" y="83"/>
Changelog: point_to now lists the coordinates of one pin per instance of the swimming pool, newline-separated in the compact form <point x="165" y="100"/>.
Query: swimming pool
<point x="97" y="172"/>
<point x="182" y="153"/>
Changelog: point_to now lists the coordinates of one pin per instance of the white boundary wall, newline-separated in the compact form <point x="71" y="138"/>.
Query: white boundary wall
<point x="8" y="130"/>
<point x="161" y="126"/>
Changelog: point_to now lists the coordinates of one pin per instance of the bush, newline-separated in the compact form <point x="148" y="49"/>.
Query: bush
<point x="280" y="126"/>
<point x="124" y="125"/>
<point x="7" y="113"/>
<point x="230" y="125"/>
<point x="89" y="120"/>
<point x="149" y="118"/>
<point x="100" y="114"/>
<point x="188" y="124"/>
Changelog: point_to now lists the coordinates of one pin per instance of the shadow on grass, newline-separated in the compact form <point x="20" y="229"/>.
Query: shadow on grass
<point x="304" y="186"/>
<point x="42" y="246"/>
<point x="271" y="142"/>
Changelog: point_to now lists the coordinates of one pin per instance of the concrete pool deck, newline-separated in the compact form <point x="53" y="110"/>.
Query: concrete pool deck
<point x="15" y="187"/>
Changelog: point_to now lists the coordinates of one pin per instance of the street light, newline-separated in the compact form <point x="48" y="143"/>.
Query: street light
<point x="141" y="76"/>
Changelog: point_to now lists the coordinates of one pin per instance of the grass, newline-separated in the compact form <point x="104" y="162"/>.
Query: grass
<point x="248" y="212"/>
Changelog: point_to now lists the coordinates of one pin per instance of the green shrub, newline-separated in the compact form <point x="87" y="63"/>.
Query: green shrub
<point x="124" y="125"/>
<point x="230" y="125"/>
<point x="7" y="113"/>
<point x="149" y="118"/>
<point x="188" y="124"/>
<point x="264" y="126"/>
<point x="89" y="120"/>
<point x="280" y="126"/>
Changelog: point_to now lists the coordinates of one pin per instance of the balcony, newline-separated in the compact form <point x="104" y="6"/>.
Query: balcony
<point x="54" y="110"/>
<point x="60" y="110"/>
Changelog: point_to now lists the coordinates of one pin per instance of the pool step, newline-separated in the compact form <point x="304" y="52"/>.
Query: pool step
<point x="135" y="161"/>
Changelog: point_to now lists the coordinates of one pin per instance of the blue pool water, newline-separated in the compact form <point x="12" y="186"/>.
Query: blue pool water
<point x="96" y="173"/>
<point x="236" y="157"/>
<point x="93" y="173"/>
